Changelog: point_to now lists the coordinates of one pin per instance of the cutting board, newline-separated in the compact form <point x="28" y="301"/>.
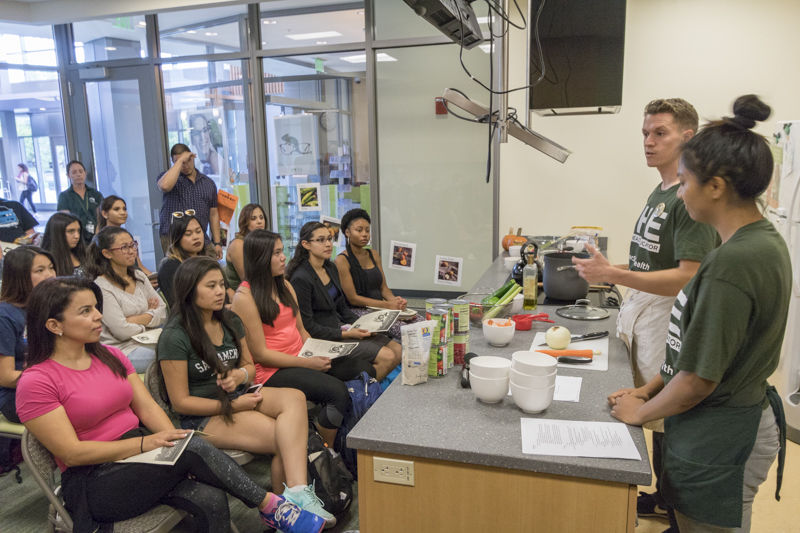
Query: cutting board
<point x="599" y="361"/>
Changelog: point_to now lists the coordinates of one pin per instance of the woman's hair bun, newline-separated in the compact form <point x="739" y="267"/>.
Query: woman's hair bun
<point x="748" y="110"/>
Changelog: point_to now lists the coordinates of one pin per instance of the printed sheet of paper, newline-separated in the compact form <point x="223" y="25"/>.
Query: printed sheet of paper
<point x="610" y="440"/>
<point x="377" y="322"/>
<point x="165" y="455"/>
<point x="568" y="389"/>
<point x="330" y="349"/>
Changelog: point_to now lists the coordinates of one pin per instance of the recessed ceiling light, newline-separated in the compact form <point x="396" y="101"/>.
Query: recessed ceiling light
<point x="111" y="48"/>
<point x="362" y="58"/>
<point x="322" y="42"/>
<point x="42" y="109"/>
<point x="142" y="23"/>
<point x="191" y="32"/>
<point x="211" y="33"/>
<point x="266" y="21"/>
<point x="315" y="35"/>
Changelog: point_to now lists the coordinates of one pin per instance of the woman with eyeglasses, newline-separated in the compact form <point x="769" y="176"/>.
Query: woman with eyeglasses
<point x="186" y="239"/>
<point x="323" y="306"/>
<point x="130" y="304"/>
<point x="84" y="402"/>
<point x="113" y="211"/>
<point x="62" y="238"/>
<point x="252" y="217"/>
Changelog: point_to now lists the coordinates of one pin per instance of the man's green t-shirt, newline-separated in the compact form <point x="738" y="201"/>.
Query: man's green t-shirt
<point x="665" y="233"/>
<point x="174" y="345"/>
<point x="727" y="323"/>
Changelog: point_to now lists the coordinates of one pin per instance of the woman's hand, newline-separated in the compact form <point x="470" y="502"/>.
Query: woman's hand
<point x="396" y="303"/>
<point x="626" y="409"/>
<point x="635" y="392"/>
<point x="163" y="438"/>
<point x="230" y="380"/>
<point x="356" y="333"/>
<point x="246" y="402"/>
<point x="318" y="362"/>
<point x="152" y="302"/>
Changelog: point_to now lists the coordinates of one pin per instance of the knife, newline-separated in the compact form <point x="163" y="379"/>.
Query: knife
<point x="572" y="360"/>
<point x="585" y="337"/>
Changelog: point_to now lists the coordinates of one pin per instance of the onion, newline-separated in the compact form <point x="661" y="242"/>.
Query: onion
<point x="558" y="337"/>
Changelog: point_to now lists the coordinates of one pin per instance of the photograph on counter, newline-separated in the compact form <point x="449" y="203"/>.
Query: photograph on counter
<point x="334" y="225"/>
<point x="449" y="270"/>
<point x="308" y="196"/>
<point x="403" y="255"/>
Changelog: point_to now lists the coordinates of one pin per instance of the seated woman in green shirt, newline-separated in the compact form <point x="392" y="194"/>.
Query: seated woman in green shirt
<point x="725" y="334"/>
<point x="207" y="367"/>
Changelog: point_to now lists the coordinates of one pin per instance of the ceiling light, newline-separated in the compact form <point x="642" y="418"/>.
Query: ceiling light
<point x="111" y="48"/>
<point x="142" y="23"/>
<point x="270" y="21"/>
<point x="211" y="33"/>
<point x="362" y="58"/>
<point x="322" y="42"/>
<point x="42" y="109"/>
<point x="315" y="35"/>
<point x="191" y="32"/>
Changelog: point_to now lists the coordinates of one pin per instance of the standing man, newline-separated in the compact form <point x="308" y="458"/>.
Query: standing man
<point x="187" y="189"/>
<point x="80" y="199"/>
<point x="665" y="252"/>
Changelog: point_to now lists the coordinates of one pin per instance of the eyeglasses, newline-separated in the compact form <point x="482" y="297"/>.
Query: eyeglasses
<point x="180" y="214"/>
<point x="130" y="247"/>
<point x="322" y="240"/>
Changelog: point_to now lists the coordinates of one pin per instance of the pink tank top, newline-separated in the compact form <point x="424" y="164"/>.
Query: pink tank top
<point x="282" y="337"/>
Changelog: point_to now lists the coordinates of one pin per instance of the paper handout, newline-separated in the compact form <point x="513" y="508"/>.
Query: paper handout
<point x="330" y="349"/>
<point x="377" y="322"/>
<point x="577" y="439"/>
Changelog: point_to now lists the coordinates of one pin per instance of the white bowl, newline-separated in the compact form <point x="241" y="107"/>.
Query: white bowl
<point x="509" y="262"/>
<point x="490" y="366"/>
<point x="532" y="381"/>
<point x="498" y="335"/>
<point x="532" y="400"/>
<point x="488" y="390"/>
<point x="516" y="304"/>
<point x="514" y="251"/>
<point x="534" y="363"/>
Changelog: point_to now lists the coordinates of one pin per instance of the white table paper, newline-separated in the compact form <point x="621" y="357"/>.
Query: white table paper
<point x="577" y="439"/>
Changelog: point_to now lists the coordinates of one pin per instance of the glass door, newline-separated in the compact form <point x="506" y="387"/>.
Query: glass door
<point x="123" y="147"/>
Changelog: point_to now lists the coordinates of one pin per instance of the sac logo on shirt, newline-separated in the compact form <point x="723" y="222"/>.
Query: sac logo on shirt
<point x="674" y="333"/>
<point x="231" y="354"/>
<point x="650" y="222"/>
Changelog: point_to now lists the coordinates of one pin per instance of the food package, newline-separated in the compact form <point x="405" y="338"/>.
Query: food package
<point x="416" y="340"/>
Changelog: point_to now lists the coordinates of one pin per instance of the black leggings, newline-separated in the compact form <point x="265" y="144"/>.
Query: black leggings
<point x="118" y="491"/>
<point x="27" y="194"/>
<point x="318" y="387"/>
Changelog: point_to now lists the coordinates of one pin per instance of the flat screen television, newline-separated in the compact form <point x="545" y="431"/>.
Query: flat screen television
<point x="583" y="44"/>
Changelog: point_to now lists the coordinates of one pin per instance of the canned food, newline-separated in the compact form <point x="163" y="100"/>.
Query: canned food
<point x="431" y="303"/>
<point x="460" y="348"/>
<point x="437" y="364"/>
<point x="460" y="315"/>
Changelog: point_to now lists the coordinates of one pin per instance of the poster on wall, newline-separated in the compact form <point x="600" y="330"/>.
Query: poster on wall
<point x="448" y="270"/>
<point x="403" y="256"/>
<point x="334" y="225"/>
<point x="308" y="196"/>
<point x="298" y="152"/>
<point x="205" y="140"/>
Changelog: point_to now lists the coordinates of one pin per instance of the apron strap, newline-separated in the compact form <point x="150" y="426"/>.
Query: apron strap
<point x="777" y="408"/>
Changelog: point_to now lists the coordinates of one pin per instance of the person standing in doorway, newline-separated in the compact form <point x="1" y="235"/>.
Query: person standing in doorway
<point x="665" y="252"/>
<point x="187" y="190"/>
<point x="80" y="199"/>
<point x="28" y="185"/>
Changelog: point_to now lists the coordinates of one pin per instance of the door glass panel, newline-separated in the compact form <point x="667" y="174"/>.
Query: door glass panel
<point x="316" y="140"/>
<point x="112" y="38"/>
<point x="115" y="120"/>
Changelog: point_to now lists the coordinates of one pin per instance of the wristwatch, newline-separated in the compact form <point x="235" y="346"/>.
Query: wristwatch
<point x="216" y="243"/>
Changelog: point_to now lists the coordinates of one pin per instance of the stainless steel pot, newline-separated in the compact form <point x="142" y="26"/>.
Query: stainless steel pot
<point x="565" y="284"/>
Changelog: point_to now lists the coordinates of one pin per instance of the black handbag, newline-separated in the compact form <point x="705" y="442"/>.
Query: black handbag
<point x="333" y="483"/>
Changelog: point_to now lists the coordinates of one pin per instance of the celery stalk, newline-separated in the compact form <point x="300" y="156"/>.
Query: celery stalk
<point x="495" y="310"/>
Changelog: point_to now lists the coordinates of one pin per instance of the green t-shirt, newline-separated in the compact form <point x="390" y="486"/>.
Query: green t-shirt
<point x="727" y="323"/>
<point x="665" y="233"/>
<point x="174" y="345"/>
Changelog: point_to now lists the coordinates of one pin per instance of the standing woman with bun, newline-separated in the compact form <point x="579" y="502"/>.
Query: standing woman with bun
<point x="62" y="238"/>
<point x="251" y="218"/>
<point x="723" y="422"/>
<point x="113" y="211"/>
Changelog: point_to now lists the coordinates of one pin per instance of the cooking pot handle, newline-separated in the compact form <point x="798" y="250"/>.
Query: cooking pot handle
<point x="583" y="302"/>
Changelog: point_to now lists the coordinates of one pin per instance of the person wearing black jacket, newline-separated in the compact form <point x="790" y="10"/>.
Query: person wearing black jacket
<point x="323" y="306"/>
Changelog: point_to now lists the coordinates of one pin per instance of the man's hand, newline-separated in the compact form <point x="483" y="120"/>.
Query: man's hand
<point x="596" y="268"/>
<point x="626" y="409"/>
<point x="183" y="158"/>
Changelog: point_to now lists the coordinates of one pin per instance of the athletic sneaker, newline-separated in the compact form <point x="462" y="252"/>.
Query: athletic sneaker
<point x="307" y="499"/>
<point x="648" y="507"/>
<point x="289" y="518"/>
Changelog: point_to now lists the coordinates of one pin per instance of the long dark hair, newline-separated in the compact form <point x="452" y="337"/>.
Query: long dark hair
<point x="17" y="264"/>
<point x="259" y="245"/>
<point x="244" y="219"/>
<point x="176" y="230"/>
<point x="106" y="205"/>
<point x="300" y="253"/>
<point x="100" y="265"/>
<point x="55" y="241"/>
<point x="729" y="149"/>
<point x="23" y="166"/>
<point x="48" y="300"/>
<point x="187" y="277"/>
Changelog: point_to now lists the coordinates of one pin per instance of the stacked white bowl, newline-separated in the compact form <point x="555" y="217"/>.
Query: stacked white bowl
<point x="498" y="331"/>
<point x="488" y="377"/>
<point x="533" y="380"/>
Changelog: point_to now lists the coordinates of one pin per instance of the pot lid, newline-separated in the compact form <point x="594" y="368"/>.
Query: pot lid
<point x="581" y="310"/>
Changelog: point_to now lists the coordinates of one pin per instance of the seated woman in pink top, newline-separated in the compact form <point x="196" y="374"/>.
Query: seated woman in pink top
<point x="267" y="305"/>
<point x="84" y="402"/>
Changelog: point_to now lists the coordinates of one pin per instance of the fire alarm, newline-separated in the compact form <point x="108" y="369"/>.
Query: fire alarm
<point x="441" y="107"/>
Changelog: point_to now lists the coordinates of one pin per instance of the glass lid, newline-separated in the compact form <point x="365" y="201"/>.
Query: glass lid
<point x="581" y="310"/>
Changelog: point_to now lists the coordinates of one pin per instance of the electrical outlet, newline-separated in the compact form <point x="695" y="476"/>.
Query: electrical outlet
<point x="393" y="471"/>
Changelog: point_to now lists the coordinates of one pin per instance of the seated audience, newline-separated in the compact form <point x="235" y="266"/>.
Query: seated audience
<point x="186" y="239"/>
<point x="275" y="334"/>
<point x="84" y="402"/>
<point x="130" y="304"/>
<point x="113" y="211"/>
<point x="251" y="217"/>
<point x="323" y="306"/>
<point x="62" y="238"/>
<point x="207" y="366"/>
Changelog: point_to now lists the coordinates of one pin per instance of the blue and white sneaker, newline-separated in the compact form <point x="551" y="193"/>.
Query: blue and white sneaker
<point x="289" y="518"/>
<point x="307" y="499"/>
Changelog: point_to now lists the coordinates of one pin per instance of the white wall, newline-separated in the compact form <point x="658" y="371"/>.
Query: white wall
<point x="706" y="51"/>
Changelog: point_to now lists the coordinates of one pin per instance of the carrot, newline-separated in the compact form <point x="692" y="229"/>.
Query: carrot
<point x="573" y="353"/>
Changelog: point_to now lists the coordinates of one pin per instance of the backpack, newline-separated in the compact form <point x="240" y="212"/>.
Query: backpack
<point x="10" y="457"/>
<point x="364" y="391"/>
<point x="333" y="483"/>
<point x="32" y="185"/>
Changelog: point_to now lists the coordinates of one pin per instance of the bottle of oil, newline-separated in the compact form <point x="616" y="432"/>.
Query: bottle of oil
<point x="530" y="284"/>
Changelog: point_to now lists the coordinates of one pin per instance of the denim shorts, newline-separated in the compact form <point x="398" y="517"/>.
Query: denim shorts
<point x="199" y="422"/>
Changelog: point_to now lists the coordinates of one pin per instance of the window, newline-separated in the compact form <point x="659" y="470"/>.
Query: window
<point x="113" y="38"/>
<point x="281" y="30"/>
<point x="202" y="31"/>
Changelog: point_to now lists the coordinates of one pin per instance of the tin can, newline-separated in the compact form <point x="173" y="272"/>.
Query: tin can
<point x="432" y="303"/>
<point x="460" y="348"/>
<point x="450" y="333"/>
<point x="437" y="363"/>
<point x="460" y="316"/>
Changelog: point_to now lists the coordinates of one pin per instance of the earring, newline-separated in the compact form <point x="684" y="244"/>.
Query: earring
<point x="60" y="333"/>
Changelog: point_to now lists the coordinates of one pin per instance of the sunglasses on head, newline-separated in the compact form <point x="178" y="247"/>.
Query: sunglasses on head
<point x="180" y="214"/>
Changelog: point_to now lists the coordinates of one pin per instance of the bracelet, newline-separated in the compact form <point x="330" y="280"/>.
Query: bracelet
<point x="246" y="375"/>
<point x="216" y="243"/>
<point x="141" y="445"/>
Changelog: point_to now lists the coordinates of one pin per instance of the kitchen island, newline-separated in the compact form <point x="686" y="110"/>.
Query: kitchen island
<point x="469" y="472"/>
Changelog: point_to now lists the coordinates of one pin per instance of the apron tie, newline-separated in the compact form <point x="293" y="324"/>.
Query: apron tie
<point x="780" y="417"/>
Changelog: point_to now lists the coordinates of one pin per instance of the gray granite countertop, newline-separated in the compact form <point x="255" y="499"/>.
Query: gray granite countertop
<point x="440" y="420"/>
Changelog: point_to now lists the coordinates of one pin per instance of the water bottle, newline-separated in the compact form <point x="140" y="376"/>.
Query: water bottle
<point x="530" y="284"/>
